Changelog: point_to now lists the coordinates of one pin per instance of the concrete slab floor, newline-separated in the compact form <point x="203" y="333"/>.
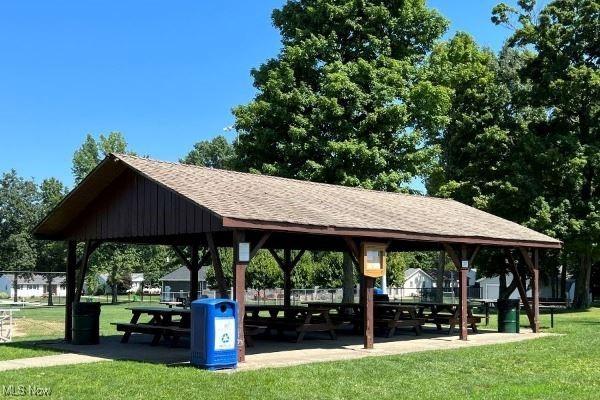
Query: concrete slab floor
<point x="267" y="353"/>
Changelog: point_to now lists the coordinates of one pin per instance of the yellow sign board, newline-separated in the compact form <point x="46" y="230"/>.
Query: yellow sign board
<point x="372" y="259"/>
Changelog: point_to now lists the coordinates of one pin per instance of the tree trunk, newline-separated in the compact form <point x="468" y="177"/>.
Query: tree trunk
<point x="114" y="293"/>
<point x="563" y="282"/>
<point x="582" y="282"/>
<point x="348" y="280"/>
<point x="15" y="287"/>
<point x="502" y="290"/>
<point x="505" y="291"/>
<point x="49" y="280"/>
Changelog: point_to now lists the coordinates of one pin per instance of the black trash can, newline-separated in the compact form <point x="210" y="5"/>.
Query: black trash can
<point x="86" y="323"/>
<point x="508" y="315"/>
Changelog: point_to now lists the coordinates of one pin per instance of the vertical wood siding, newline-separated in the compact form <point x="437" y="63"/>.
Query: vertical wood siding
<point x="134" y="206"/>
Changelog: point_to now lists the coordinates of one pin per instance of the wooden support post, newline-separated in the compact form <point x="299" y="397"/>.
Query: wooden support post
<point x="287" y="277"/>
<point x="368" y="322"/>
<point x="462" y="284"/>
<point x="535" y="285"/>
<point x="535" y="290"/>
<point x="70" y="282"/>
<point x="463" y="293"/>
<point x="366" y="296"/>
<point x="287" y="265"/>
<point x="216" y="263"/>
<point x="82" y="265"/>
<point x="194" y="267"/>
<point x="520" y="287"/>
<point x="239" y="292"/>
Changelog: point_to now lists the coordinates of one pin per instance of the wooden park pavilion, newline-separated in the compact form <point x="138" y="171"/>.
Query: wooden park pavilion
<point x="128" y="199"/>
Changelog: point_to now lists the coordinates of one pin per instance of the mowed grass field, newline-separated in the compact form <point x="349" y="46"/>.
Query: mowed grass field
<point x="557" y="367"/>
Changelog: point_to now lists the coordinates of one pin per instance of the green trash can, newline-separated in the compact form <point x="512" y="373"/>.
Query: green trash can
<point x="508" y="315"/>
<point x="86" y="323"/>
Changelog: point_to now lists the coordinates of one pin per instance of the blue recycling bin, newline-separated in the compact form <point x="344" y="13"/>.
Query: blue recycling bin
<point x="214" y="333"/>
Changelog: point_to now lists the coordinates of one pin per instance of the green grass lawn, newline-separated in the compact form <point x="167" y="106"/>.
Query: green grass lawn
<point x="560" y="367"/>
<point x="47" y="323"/>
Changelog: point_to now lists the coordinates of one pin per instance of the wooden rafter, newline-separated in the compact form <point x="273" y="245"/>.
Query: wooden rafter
<point x="216" y="262"/>
<point x="182" y="256"/>
<point x="519" y="283"/>
<point x="296" y="259"/>
<point x="83" y="266"/>
<point x="473" y="255"/>
<point x="453" y="256"/>
<point x="259" y="244"/>
<point x="277" y="258"/>
<point x="527" y="258"/>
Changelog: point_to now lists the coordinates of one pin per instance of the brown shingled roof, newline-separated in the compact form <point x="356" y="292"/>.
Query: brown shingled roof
<point x="249" y="200"/>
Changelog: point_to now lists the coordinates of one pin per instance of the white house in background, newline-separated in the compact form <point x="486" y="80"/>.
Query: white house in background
<point x="415" y="279"/>
<point x="490" y="288"/>
<point x="33" y="286"/>
<point x="137" y="282"/>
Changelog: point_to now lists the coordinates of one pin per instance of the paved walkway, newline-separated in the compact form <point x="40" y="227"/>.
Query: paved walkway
<point x="266" y="353"/>
<point x="48" y="361"/>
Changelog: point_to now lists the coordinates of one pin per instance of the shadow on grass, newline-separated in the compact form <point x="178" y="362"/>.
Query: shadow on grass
<point x="35" y="344"/>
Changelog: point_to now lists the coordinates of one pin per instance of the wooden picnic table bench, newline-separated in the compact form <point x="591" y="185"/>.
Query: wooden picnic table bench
<point x="388" y="315"/>
<point x="391" y="316"/>
<point x="343" y="313"/>
<point x="291" y="318"/>
<point x="162" y="325"/>
<point x="170" y="304"/>
<point x="446" y="314"/>
<point x="552" y="305"/>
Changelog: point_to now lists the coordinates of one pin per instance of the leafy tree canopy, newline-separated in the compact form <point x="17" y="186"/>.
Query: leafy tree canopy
<point x="341" y="103"/>
<point x="92" y="151"/>
<point x="214" y="153"/>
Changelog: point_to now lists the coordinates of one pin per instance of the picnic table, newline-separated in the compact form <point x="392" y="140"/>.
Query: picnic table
<point x="445" y="314"/>
<point x="161" y="323"/>
<point x="391" y="316"/>
<point x="552" y="306"/>
<point x="388" y="315"/>
<point x="291" y="318"/>
<point x="172" y="303"/>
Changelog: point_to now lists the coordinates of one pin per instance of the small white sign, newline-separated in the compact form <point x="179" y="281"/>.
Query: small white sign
<point x="465" y="264"/>
<point x="244" y="252"/>
<point x="224" y="333"/>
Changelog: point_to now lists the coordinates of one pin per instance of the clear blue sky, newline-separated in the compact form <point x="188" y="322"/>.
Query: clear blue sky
<point x="166" y="74"/>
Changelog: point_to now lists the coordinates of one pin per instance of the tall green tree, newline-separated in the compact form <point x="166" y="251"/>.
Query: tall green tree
<point x="92" y="151"/>
<point x="488" y="151"/>
<point x="117" y="261"/>
<point x="19" y="202"/>
<point x="344" y="101"/>
<point x="51" y="255"/>
<point x="565" y="81"/>
<point x="18" y="255"/>
<point x="214" y="153"/>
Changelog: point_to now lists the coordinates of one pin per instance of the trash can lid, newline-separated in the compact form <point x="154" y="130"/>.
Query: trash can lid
<point x="213" y="301"/>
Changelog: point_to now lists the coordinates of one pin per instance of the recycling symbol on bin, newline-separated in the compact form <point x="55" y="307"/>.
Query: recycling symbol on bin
<point x="225" y="338"/>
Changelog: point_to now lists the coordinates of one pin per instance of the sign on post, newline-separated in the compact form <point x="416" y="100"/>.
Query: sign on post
<point x="372" y="261"/>
<point x="244" y="252"/>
